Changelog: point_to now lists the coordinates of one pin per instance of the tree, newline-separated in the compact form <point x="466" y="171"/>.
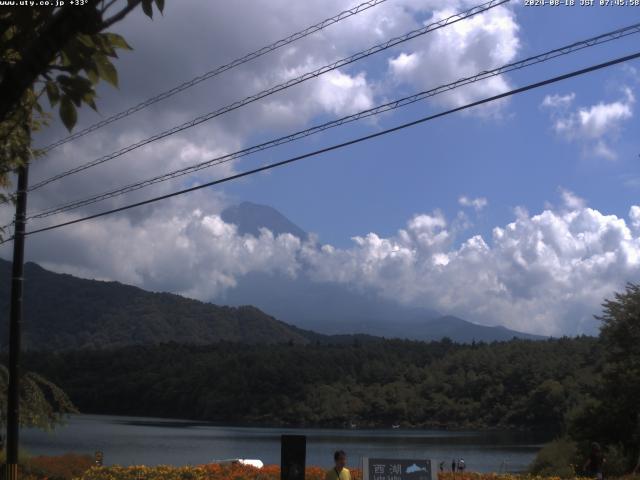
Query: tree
<point x="42" y="403"/>
<point x="612" y="413"/>
<point x="61" y="52"/>
<point x="620" y="333"/>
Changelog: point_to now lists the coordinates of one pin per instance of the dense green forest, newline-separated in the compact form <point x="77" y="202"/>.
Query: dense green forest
<point x="518" y="383"/>
<point x="66" y="312"/>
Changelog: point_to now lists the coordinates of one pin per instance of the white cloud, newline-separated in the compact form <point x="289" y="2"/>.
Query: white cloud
<point x="634" y="216"/>
<point x="465" y="48"/>
<point x="546" y="273"/>
<point x="335" y="92"/>
<point x="404" y="64"/>
<point x="595" y="127"/>
<point x="558" y="101"/>
<point x="594" y="122"/>
<point x="477" y="203"/>
<point x="571" y="200"/>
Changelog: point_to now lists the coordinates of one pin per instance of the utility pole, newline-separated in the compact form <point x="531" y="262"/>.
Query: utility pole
<point x="15" y="320"/>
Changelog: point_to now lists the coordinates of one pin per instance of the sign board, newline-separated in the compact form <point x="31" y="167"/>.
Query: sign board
<point x="397" y="469"/>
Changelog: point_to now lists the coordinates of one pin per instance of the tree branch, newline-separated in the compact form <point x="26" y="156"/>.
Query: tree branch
<point x="121" y="14"/>
<point x="38" y="55"/>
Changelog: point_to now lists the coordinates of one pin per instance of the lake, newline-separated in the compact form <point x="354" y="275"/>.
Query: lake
<point x="153" y="441"/>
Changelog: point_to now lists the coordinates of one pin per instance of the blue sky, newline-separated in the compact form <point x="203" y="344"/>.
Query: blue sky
<point x="516" y="160"/>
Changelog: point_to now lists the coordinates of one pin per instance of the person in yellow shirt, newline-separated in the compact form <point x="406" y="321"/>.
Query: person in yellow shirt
<point x="339" y="471"/>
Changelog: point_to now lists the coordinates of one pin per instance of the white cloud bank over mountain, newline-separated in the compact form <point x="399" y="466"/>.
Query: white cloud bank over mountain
<point x="543" y="273"/>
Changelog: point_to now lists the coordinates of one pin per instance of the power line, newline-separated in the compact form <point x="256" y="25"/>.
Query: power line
<point x="528" y="87"/>
<point x="217" y="71"/>
<point x="543" y="57"/>
<point x="289" y="83"/>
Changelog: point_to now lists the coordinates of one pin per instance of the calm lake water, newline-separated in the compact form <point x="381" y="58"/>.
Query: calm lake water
<point x="152" y="441"/>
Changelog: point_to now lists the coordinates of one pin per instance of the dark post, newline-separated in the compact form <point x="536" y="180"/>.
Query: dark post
<point x="293" y="452"/>
<point x="15" y="321"/>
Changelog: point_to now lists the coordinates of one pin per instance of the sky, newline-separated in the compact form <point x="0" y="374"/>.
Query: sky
<point x="523" y="213"/>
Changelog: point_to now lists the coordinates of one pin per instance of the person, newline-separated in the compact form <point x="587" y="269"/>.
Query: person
<point x="442" y="466"/>
<point x="461" y="465"/>
<point x="339" y="470"/>
<point x="453" y="465"/>
<point x="595" y="462"/>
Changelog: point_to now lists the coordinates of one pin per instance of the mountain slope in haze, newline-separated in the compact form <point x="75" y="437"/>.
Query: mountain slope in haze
<point x="463" y="331"/>
<point x="332" y="308"/>
<point x="250" y="217"/>
<point x="66" y="312"/>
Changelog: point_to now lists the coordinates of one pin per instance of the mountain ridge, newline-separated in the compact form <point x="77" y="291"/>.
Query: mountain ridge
<point x="64" y="312"/>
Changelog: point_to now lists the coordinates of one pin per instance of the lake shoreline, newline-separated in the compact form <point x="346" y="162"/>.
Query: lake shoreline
<point x="154" y="441"/>
<point x="329" y="426"/>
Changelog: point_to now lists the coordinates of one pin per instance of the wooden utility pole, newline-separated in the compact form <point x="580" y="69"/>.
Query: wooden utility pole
<point x="15" y="322"/>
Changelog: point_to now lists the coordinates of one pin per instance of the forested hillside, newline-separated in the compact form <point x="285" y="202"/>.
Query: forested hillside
<point x="520" y="383"/>
<point x="66" y="312"/>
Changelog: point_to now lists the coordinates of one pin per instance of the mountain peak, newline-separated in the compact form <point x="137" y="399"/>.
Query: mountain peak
<point x="251" y="217"/>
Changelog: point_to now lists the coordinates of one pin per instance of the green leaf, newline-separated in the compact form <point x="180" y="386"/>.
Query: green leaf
<point x="106" y="70"/>
<point x="117" y="41"/>
<point x="104" y="45"/>
<point x="65" y="61"/>
<point x="63" y="80"/>
<point x="160" y="5"/>
<point x="38" y="108"/>
<point x="89" y="100"/>
<point x="147" y="8"/>
<point x="52" y="93"/>
<point x="92" y="74"/>
<point x="86" y="40"/>
<point x="68" y="113"/>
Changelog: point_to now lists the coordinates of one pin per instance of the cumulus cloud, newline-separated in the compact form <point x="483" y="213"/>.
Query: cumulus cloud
<point x="544" y="273"/>
<point x="483" y="42"/>
<point x="634" y="216"/>
<point x="476" y="203"/>
<point x="595" y="127"/>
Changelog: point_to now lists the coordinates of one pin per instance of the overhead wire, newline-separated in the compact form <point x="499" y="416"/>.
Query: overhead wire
<point x="338" y="146"/>
<point x="402" y="102"/>
<point x="217" y="71"/>
<point x="277" y="88"/>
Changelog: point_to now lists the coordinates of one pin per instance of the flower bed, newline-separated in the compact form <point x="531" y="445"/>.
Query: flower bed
<point x="200" y="472"/>
<point x="80" y="467"/>
<point x="62" y="467"/>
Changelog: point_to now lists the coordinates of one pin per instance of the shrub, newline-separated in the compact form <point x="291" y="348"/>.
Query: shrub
<point x="557" y="458"/>
<point x="200" y="472"/>
<point x="617" y="462"/>
<point x="62" y="467"/>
